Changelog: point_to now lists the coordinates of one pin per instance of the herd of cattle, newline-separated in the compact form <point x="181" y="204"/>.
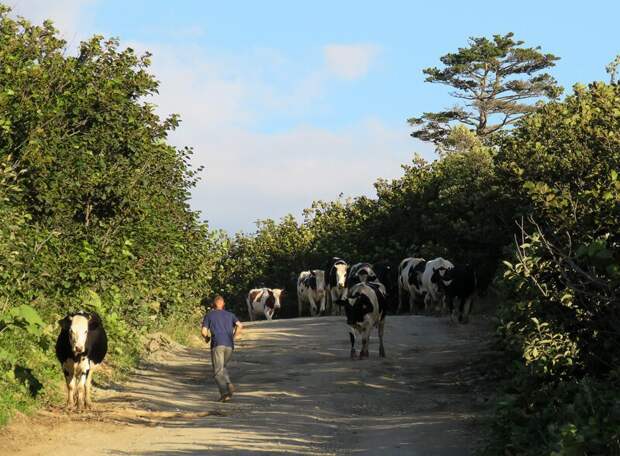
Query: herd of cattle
<point x="362" y="290"/>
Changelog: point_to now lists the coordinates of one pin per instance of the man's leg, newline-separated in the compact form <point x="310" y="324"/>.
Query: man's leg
<point x="217" y="360"/>
<point x="227" y="356"/>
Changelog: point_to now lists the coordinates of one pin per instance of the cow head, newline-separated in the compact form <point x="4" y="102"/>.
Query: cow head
<point x="338" y="274"/>
<point x="442" y="277"/>
<point x="357" y="306"/>
<point x="278" y="294"/>
<point x="78" y="326"/>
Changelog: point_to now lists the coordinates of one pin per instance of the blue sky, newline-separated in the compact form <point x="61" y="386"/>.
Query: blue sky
<point x="287" y="102"/>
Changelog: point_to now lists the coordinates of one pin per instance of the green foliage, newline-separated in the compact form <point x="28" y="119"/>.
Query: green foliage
<point x="93" y="203"/>
<point x="95" y="216"/>
<point x="561" y="320"/>
<point x="495" y="78"/>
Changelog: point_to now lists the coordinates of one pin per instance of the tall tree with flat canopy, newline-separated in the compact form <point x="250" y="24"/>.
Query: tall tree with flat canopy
<point x="499" y="81"/>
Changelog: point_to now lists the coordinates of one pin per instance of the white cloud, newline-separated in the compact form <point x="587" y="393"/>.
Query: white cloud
<point x="71" y="17"/>
<point x="223" y="99"/>
<point x="350" y="61"/>
<point x="250" y="174"/>
<point x="256" y="175"/>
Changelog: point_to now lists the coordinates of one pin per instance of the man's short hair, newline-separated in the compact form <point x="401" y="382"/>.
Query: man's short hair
<point x="218" y="298"/>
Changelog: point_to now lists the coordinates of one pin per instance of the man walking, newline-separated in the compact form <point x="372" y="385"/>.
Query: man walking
<point x="223" y="327"/>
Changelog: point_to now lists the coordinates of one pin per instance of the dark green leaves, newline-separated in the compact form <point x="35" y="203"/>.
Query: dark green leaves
<point x="497" y="80"/>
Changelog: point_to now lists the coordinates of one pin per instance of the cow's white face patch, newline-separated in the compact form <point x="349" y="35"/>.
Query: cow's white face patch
<point x="277" y="293"/>
<point x="341" y="274"/>
<point x="78" y="333"/>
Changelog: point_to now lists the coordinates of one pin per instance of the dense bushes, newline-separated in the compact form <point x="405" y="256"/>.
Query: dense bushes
<point x="95" y="215"/>
<point x="93" y="201"/>
<point x="453" y="207"/>
<point x="562" y="318"/>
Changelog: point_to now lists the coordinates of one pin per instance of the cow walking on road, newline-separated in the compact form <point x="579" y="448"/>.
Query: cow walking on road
<point x="410" y="273"/>
<point x="81" y="346"/>
<point x="434" y="271"/>
<point x="311" y="291"/>
<point x="459" y="283"/>
<point x="335" y="286"/>
<point x="264" y="302"/>
<point x="365" y="308"/>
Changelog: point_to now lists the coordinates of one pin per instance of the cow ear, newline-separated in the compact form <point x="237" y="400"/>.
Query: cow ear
<point x="93" y="321"/>
<point x="65" y="323"/>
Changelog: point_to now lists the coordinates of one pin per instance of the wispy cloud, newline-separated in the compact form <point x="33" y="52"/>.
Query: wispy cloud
<point x="71" y="17"/>
<point x="350" y="61"/>
<point x="225" y="98"/>
<point x="251" y="174"/>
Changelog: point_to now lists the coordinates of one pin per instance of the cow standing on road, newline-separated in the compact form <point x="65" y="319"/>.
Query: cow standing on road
<point x="311" y="290"/>
<point x="459" y="283"/>
<point x="335" y="287"/>
<point x="365" y="308"/>
<point x="264" y="302"/>
<point x="433" y="273"/>
<point x="81" y="345"/>
<point x="410" y="273"/>
<point x="386" y="274"/>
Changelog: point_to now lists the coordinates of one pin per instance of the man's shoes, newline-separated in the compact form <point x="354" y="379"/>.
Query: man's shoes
<point x="231" y="389"/>
<point x="225" y="398"/>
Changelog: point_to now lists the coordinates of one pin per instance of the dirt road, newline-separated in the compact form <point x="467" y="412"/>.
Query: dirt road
<point x="298" y="393"/>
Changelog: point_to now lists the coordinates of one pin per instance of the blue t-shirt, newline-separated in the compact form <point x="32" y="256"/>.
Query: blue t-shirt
<point x="221" y="324"/>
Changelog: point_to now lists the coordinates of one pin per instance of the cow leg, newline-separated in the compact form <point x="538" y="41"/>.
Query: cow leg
<point x="352" y="338"/>
<point x="381" y="328"/>
<point x="89" y="383"/>
<point x="299" y="306"/>
<point x="71" y="389"/>
<point x="328" y="304"/>
<point x="81" y="390"/>
<point x="412" y="304"/>
<point x="452" y="310"/>
<point x="400" y="298"/>
<point x="313" y="309"/>
<point x="322" y="305"/>
<point x="465" y="310"/>
<point x="427" y="302"/>
<point x="68" y="371"/>
<point x="268" y="314"/>
<point x="365" y="342"/>
<point x="250" y="313"/>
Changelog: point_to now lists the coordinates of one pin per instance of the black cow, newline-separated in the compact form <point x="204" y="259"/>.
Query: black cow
<point x="388" y="276"/>
<point x="365" y="308"/>
<point x="81" y="345"/>
<point x="459" y="283"/>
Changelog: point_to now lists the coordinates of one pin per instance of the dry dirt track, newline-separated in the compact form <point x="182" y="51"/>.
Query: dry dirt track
<point x="298" y="393"/>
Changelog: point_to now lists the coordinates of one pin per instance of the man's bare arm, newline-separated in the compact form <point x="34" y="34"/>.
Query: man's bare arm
<point x="238" y="329"/>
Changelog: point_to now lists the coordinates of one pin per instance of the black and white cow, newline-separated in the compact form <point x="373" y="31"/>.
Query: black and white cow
<point x="359" y="273"/>
<point x="81" y="345"/>
<point x="410" y="273"/>
<point x="335" y="285"/>
<point x="365" y="308"/>
<point x="311" y="291"/>
<point x="458" y="283"/>
<point x="264" y="302"/>
<point x="433" y="272"/>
